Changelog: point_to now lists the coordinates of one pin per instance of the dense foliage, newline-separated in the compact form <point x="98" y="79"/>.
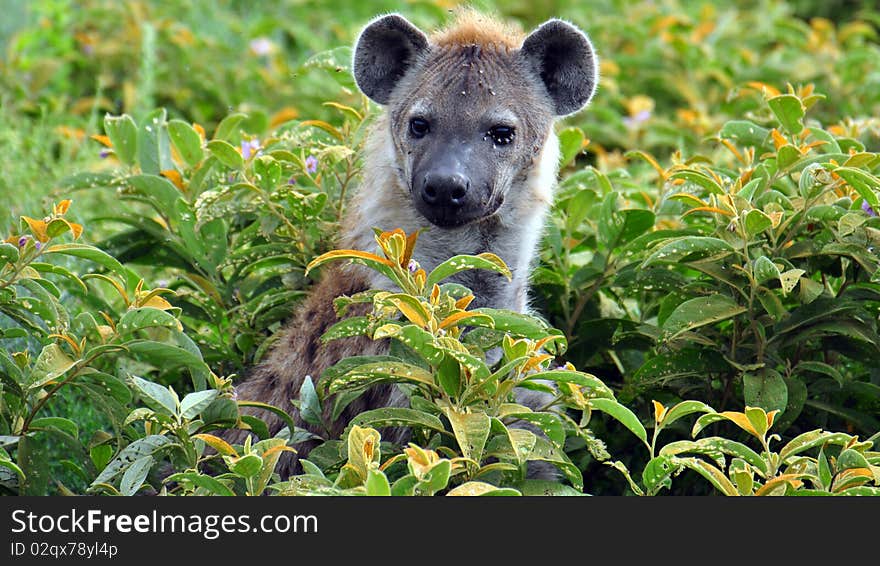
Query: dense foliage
<point x="711" y="262"/>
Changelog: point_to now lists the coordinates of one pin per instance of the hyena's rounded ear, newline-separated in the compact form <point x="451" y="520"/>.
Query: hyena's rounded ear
<point x="563" y="57"/>
<point x="383" y="52"/>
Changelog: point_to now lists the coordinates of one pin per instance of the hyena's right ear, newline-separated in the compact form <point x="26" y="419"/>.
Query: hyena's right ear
<point x="564" y="59"/>
<point x="383" y="52"/>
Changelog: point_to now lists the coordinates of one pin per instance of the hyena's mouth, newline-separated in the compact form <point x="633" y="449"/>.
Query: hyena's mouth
<point x="455" y="217"/>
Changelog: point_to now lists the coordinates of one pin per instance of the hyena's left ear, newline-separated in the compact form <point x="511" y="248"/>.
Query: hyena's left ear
<point x="383" y="52"/>
<point x="563" y="57"/>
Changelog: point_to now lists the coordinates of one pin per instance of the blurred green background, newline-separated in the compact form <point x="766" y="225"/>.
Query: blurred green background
<point x="672" y="67"/>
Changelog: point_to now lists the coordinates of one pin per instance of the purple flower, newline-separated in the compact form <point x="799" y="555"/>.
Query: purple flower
<point x="250" y="148"/>
<point x="22" y="241"/>
<point x="37" y="244"/>
<point x="412" y="266"/>
<point x="291" y="181"/>
<point x="634" y="121"/>
<point x="867" y="208"/>
<point x="104" y="153"/>
<point x="311" y="165"/>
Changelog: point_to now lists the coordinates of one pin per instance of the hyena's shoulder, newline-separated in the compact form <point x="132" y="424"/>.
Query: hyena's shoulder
<point x="300" y="352"/>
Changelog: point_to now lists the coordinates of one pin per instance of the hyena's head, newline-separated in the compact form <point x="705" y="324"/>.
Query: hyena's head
<point x="471" y="108"/>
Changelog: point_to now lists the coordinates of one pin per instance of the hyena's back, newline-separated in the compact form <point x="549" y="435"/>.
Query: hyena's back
<point x="300" y="352"/>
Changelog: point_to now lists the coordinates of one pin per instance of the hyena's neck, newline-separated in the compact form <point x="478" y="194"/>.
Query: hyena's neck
<point x="513" y="233"/>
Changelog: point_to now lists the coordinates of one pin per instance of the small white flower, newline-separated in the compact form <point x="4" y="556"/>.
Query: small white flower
<point x="262" y="46"/>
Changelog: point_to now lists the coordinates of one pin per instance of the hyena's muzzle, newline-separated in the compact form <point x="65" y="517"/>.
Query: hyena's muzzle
<point x="447" y="188"/>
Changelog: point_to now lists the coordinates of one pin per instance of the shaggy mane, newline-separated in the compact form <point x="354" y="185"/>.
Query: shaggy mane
<point x="471" y="27"/>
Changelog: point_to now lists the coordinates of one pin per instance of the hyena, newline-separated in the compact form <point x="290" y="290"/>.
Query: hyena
<point x="465" y="151"/>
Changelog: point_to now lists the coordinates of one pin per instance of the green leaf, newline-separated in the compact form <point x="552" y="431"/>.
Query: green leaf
<point x="135" y="475"/>
<point x="165" y="355"/>
<point x="715" y="476"/>
<point x="701" y="311"/>
<point x="146" y="317"/>
<point x="544" y="451"/>
<point x="824" y="470"/>
<point x="755" y="222"/>
<point x="683" y="409"/>
<point x="745" y="133"/>
<point x="187" y="141"/>
<point x="549" y="423"/>
<point x="194" y="403"/>
<point x="421" y="341"/>
<point x="459" y="263"/>
<point x="153" y="147"/>
<point x="812" y="439"/>
<point x="864" y="183"/>
<point x="380" y="372"/>
<point x="517" y="324"/>
<point x="471" y="431"/>
<point x="771" y="303"/>
<point x="435" y="479"/>
<point x="658" y="473"/>
<point x="398" y="416"/>
<point x="345" y="365"/>
<point x="149" y="445"/>
<point x="336" y="63"/>
<point x="688" y="248"/>
<point x="346" y="328"/>
<point x="764" y="269"/>
<point x="587" y="380"/>
<point x="309" y="404"/>
<point x="823" y="368"/>
<point x="86" y="180"/>
<point x="226" y="129"/>
<point x="247" y="466"/>
<point x="58" y="424"/>
<point x="767" y="391"/>
<point x="478" y="488"/>
<point x="272" y="409"/>
<point x="449" y="376"/>
<point x="625" y="416"/>
<point x="789" y="111"/>
<point x="851" y="459"/>
<point x="510" y="443"/>
<point x="51" y="364"/>
<point x="161" y="396"/>
<point x="700" y="179"/>
<point x="123" y="134"/>
<point x="377" y="484"/>
<point x="714" y="445"/>
<point x="8" y="252"/>
<point x="227" y="154"/>
<point x="109" y="385"/>
<point x="92" y="253"/>
<point x="787" y="156"/>
<point x="201" y="480"/>
<point x="58" y="270"/>
<point x="571" y="142"/>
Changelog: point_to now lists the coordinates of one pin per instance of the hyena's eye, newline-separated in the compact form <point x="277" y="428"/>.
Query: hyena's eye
<point x="418" y="127"/>
<point x="501" y="135"/>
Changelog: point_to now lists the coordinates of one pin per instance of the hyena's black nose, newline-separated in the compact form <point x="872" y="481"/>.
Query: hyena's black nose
<point x="441" y="189"/>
